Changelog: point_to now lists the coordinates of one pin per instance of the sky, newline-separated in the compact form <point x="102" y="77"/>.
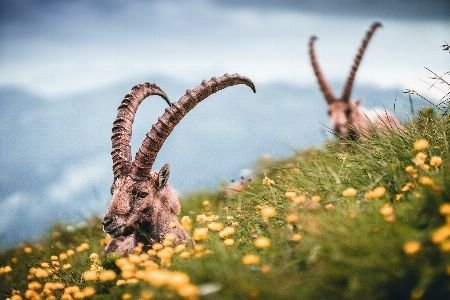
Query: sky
<point x="57" y="47"/>
<point x="66" y="65"/>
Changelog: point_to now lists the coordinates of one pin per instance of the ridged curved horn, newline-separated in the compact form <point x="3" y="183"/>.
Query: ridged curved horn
<point x="122" y="126"/>
<point x="324" y="86"/>
<point x="351" y="78"/>
<point x="154" y="140"/>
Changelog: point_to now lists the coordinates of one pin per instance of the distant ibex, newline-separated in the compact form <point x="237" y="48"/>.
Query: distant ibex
<point x="347" y="117"/>
<point x="143" y="205"/>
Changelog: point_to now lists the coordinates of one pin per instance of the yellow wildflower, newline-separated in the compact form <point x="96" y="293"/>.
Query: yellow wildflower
<point x="40" y="273"/>
<point x="349" y="192"/>
<point x="126" y="296"/>
<point x="420" y="158"/>
<point x="376" y="192"/>
<point x="90" y="275"/>
<point x="34" y="285"/>
<point x="251" y="259"/>
<point x="27" y="250"/>
<point x="189" y="291"/>
<point x="268" y="181"/>
<point x="7" y="269"/>
<point x="410" y="169"/>
<point x="435" y="161"/>
<point x="93" y="256"/>
<point x="200" y="234"/>
<point x="107" y="275"/>
<point x="411" y="247"/>
<point x="186" y="223"/>
<point x="71" y="289"/>
<point x="445" y="246"/>
<point x="262" y="242"/>
<point x="79" y="295"/>
<point x="426" y="180"/>
<point x="300" y="199"/>
<point x="120" y="282"/>
<point x="179" y="248"/>
<point x="157" y="246"/>
<point x="290" y="195"/>
<point x="316" y="199"/>
<point x="292" y="218"/>
<point x="268" y="212"/>
<point x="228" y="242"/>
<point x="88" y="291"/>
<point x="215" y="226"/>
<point x="264" y="269"/>
<point x="441" y="234"/>
<point x="227" y="231"/>
<point x="387" y="210"/>
<point x="296" y="237"/>
<point x="445" y="209"/>
<point x="421" y="144"/>
<point x="173" y="225"/>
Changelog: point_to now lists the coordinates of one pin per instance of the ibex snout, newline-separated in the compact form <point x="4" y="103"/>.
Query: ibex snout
<point x="115" y="228"/>
<point x="106" y="221"/>
<point x="341" y="130"/>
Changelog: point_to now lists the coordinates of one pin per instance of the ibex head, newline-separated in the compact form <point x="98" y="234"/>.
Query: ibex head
<point x="344" y="113"/>
<point x="143" y="204"/>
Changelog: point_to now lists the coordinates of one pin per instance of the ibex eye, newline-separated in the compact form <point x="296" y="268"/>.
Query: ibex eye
<point x="142" y="194"/>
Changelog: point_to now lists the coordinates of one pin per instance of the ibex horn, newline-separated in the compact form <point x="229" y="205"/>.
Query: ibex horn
<point x="351" y="78"/>
<point x="122" y="126"/>
<point x="154" y="140"/>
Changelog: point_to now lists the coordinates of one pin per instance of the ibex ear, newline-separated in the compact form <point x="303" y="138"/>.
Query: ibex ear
<point x="163" y="176"/>
<point x="358" y="102"/>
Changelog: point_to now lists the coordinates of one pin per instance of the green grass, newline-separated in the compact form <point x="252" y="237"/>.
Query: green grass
<point x="392" y="246"/>
<point x="348" y="248"/>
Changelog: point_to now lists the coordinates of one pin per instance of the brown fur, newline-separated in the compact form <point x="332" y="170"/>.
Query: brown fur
<point x="142" y="219"/>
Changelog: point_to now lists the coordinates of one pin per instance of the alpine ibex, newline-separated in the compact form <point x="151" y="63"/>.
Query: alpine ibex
<point x="348" y="117"/>
<point x="143" y="208"/>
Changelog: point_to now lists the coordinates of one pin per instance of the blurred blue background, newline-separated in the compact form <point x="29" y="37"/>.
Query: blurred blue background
<point x="66" y="65"/>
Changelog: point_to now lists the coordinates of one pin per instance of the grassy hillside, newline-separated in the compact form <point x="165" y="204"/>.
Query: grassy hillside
<point x="365" y="220"/>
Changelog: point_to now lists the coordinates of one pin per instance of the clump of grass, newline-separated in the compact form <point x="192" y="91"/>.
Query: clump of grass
<point x="368" y="221"/>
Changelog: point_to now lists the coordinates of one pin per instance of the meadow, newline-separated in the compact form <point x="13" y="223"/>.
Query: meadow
<point x="366" y="219"/>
